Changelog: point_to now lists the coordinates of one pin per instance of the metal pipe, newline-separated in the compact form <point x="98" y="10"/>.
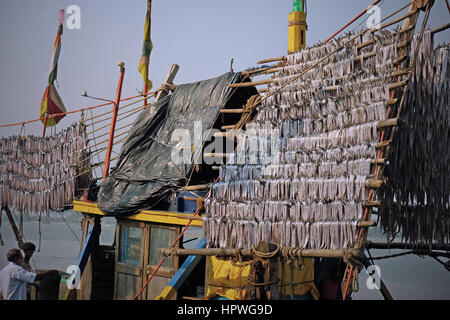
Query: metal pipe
<point x="113" y="120"/>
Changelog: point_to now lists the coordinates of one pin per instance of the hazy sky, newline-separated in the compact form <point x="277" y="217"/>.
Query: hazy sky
<point x="200" y="35"/>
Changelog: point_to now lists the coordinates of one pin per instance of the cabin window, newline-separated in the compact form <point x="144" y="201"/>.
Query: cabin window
<point x="161" y="238"/>
<point x="130" y="245"/>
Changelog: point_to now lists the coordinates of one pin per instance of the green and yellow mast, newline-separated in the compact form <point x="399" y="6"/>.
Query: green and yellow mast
<point x="297" y="26"/>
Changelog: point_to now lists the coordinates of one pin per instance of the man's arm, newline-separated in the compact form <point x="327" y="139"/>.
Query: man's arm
<point x="42" y="275"/>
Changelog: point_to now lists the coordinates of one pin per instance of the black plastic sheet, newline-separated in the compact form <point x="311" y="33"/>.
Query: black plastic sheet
<point x="145" y="174"/>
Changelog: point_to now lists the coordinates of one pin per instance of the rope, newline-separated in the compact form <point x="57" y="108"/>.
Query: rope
<point x="73" y="232"/>
<point x="70" y="112"/>
<point x="264" y="255"/>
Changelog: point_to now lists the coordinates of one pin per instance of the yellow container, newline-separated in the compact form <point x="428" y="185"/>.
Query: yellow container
<point x="297" y="31"/>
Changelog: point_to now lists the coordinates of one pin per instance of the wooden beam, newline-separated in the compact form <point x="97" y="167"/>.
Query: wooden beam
<point x="169" y="79"/>
<point x="228" y="127"/>
<point x="383" y="144"/>
<point x="251" y="84"/>
<point x="406" y="246"/>
<point x="366" y="56"/>
<point x="270" y="60"/>
<point x="216" y="155"/>
<point x="223" y="252"/>
<point x="374" y="183"/>
<point x="365" y="44"/>
<point x="365" y="224"/>
<point x="378" y="161"/>
<point x="441" y="28"/>
<point x="233" y="111"/>
<point x="400" y="59"/>
<point x="390" y="23"/>
<point x="398" y="84"/>
<point x="388" y="123"/>
<point x="372" y="203"/>
<point x="196" y="188"/>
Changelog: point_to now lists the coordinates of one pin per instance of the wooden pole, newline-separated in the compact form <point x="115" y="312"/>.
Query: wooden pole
<point x="14" y="227"/>
<point x="169" y="79"/>
<point x="113" y="120"/>
<point x="406" y="246"/>
<point x="310" y="253"/>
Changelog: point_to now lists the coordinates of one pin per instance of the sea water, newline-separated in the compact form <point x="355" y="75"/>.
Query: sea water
<point x="406" y="277"/>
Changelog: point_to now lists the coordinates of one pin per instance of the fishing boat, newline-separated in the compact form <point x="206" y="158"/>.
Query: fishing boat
<point x="277" y="171"/>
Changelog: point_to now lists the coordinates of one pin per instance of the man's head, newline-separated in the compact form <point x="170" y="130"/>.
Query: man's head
<point x="28" y="248"/>
<point x="15" y="255"/>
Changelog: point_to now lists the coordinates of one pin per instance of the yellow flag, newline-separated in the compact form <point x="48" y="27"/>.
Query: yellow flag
<point x="147" y="47"/>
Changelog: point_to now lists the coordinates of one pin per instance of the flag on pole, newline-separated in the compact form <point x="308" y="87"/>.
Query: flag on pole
<point x="147" y="47"/>
<point x="51" y="101"/>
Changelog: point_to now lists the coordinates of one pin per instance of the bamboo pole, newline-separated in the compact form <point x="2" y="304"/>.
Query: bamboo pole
<point x="388" y="123"/>
<point x="248" y="253"/>
<point x="409" y="246"/>
<point x="383" y="144"/>
<point x="390" y="23"/>
<point x="441" y="28"/>
<point x="271" y="60"/>
<point x="233" y="111"/>
<point x="196" y="187"/>
<point x="251" y="84"/>
<point x="374" y="183"/>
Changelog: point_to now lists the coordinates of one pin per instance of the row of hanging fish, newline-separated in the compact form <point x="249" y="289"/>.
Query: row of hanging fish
<point x="39" y="175"/>
<point x="416" y="195"/>
<point x="303" y="189"/>
<point x="299" y="174"/>
<point x="298" y="211"/>
<point x="325" y="169"/>
<point x="244" y="233"/>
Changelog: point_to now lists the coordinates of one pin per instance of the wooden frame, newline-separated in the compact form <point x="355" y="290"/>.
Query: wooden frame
<point x="147" y="267"/>
<point x="126" y="268"/>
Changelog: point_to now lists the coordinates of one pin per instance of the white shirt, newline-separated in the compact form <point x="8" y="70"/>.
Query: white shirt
<point x="13" y="282"/>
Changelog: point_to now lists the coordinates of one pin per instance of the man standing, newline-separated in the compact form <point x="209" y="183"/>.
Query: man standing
<point x="28" y="250"/>
<point x="14" y="278"/>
